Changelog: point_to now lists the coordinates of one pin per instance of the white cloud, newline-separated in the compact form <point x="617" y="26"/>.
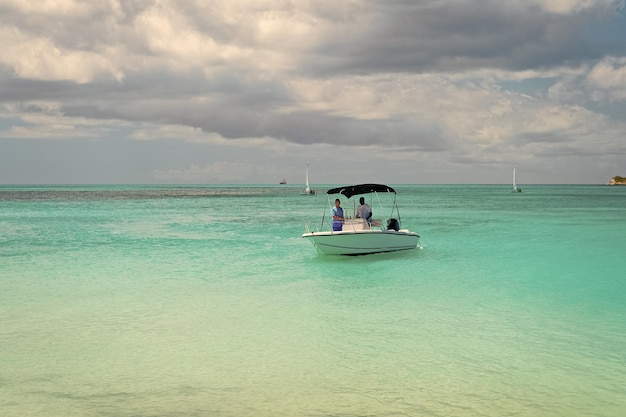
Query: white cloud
<point x="38" y="58"/>
<point x="53" y="8"/>
<point x="603" y="82"/>
<point x="607" y="80"/>
<point x="45" y="120"/>
<point x="574" y="6"/>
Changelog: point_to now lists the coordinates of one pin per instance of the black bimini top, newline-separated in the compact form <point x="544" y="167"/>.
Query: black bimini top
<point x="350" y="190"/>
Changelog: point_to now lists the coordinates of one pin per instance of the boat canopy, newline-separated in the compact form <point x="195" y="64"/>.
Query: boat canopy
<point x="350" y="190"/>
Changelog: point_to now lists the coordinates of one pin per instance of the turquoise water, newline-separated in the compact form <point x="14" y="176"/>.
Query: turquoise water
<point x="205" y="301"/>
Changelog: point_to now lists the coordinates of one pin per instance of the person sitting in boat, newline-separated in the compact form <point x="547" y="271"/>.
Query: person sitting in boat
<point x="364" y="211"/>
<point x="337" y="216"/>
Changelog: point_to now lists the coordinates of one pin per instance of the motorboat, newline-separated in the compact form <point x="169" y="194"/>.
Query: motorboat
<point x="307" y="188"/>
<point x="360" y="236"/>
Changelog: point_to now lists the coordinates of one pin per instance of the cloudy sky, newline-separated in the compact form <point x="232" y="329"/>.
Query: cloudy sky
<point x="247" y="91"/>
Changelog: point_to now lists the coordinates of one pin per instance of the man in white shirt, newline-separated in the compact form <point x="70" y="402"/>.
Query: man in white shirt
<point x="364" y="211"/>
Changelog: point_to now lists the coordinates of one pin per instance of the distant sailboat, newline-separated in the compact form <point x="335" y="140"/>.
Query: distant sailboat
<point x="515" y="188"/>
<point x="307" y="189"/>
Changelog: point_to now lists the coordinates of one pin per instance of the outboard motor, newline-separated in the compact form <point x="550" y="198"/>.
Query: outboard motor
<point x="393" y="224"/>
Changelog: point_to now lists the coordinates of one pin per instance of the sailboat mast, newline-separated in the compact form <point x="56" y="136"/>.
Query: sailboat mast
<point x="307" y="190"/>
<point x="307" y="176"/>
<point x="514" y="185"/>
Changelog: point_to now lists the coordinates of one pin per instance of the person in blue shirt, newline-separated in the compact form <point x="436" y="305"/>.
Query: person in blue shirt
<point x="337" y="216"/>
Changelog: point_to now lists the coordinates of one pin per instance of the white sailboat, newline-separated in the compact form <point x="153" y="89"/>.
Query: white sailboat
<point x="307" y="189"/>
<point x="515" y="188"/>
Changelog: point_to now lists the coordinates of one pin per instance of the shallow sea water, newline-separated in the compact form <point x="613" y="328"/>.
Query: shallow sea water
<point x="205" y="301"/>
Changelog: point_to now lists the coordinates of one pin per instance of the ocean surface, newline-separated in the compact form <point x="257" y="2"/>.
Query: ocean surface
<point x="180" y="301"/>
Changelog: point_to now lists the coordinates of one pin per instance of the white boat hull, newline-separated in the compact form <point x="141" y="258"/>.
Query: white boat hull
<point x="362" y="242"/>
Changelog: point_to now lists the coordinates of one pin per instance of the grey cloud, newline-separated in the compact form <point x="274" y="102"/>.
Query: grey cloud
<point x="317" y="127"/>
<point x="454" y="36"/>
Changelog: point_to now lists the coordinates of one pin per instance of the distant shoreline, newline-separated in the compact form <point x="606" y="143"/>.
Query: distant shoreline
<point x="617" y="180"/>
